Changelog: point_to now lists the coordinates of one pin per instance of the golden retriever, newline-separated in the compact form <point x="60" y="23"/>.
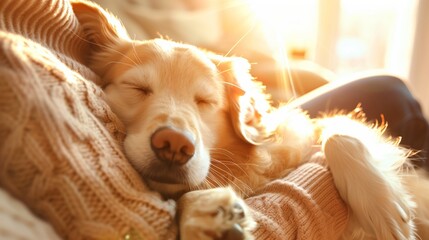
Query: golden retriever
<point x="196" y="123"/>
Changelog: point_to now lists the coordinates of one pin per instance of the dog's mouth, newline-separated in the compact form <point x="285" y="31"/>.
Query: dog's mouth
<point x="170" y="182"/>
<point x="167" y="179"/>
<point x="168" y="190"/>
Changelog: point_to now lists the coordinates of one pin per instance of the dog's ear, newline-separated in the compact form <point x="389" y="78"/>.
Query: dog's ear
<point x="101" y="27"/>
<point x="247" y="102"/>
<point x="103" y="31"/>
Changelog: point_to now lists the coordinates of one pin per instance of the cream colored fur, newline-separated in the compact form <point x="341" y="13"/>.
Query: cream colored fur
<point x="160" y="83"/>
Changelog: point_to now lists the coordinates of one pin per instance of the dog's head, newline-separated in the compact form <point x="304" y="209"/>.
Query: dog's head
<point x="174" y="99"/>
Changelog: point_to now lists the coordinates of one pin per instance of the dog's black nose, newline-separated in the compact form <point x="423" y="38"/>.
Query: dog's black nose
<point x="172" y="146"/>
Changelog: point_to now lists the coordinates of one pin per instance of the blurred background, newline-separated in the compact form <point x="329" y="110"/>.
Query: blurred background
<point x="337" y="39"/>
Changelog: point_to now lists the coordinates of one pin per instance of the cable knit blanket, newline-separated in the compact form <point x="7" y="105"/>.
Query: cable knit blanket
<point x="60" y="148"/>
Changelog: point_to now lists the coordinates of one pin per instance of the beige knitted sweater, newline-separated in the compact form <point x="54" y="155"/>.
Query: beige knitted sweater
<point x="61" y="156"/>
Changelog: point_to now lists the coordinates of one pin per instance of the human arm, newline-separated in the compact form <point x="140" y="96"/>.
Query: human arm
<point x="303" y="205"/>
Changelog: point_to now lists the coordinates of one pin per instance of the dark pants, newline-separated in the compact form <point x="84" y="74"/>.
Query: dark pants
<point x="378" y="95"/>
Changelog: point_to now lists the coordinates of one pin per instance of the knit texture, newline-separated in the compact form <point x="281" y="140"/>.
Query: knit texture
<point x="61" y="155"/>
<point x="59" y="142"/>
<point x="303" y="205"/>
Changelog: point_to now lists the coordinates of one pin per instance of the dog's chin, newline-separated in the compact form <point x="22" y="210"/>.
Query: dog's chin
<point x="169" y="190"/>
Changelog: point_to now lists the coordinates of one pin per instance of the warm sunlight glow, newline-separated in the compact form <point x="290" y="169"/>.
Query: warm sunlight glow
<point x="344" y="36"/>
<point x="292" y="21"/>
<point x="288" y="26"/>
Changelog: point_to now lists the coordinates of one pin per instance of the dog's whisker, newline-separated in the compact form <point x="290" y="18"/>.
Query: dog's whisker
<point x="220" y="183"/>
<point x="215" y="182"/>
<point x="222" y="151"/>
<point x="242" y="164"/>
<point x="245" y="187"/>
<point x="209" y="184"/>
<point x="229" y="169"/>
<point x="236" y="181"/>
<point x="230" y="158"/>
<point x="230" y="161"/>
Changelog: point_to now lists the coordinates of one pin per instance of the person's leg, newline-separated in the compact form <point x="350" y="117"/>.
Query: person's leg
<point x="378" y="95"/>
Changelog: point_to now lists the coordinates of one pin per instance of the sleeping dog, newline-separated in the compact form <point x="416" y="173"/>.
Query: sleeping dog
<point x="200" y="128"/>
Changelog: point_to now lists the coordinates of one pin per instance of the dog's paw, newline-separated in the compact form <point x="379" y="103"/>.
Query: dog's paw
<point x="214" y="214"/>
<point x="381" y="208"/>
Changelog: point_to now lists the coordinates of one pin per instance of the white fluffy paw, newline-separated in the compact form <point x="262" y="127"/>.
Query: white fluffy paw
<point x="380" y="206"/>
<point x="214" y="214"/>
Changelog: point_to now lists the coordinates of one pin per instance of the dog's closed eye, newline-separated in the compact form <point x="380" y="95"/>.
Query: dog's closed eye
<point x="204" y="101"/>
<point x="144" y="90"/>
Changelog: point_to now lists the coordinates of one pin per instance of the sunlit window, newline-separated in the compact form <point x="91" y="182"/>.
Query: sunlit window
<point x="345" y="36"/>
<point x="371" y="32"/>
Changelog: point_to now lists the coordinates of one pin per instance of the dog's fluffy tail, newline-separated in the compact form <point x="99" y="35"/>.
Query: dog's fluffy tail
<point x="366" y="170"/>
